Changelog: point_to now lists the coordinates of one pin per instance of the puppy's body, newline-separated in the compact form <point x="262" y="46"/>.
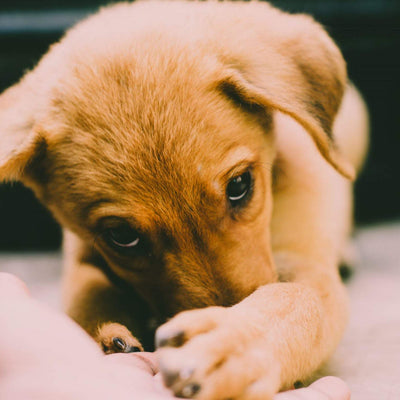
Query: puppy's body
<point x="142" y="117"/>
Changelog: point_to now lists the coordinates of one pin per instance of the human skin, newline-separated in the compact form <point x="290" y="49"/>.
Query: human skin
<point x="45" y="355"/>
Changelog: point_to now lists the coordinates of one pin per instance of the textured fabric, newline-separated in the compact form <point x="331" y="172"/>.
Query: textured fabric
<point x="368" y="358"/>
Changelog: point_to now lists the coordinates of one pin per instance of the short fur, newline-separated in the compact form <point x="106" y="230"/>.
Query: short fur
<point x="144" y="112"/>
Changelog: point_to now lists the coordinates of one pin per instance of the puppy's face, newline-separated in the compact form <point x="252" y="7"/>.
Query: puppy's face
<point x="156" y="146"/>
<point x="172" y="187"/>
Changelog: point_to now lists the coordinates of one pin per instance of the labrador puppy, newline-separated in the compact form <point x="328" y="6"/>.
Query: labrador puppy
<point x="200" y="158"/>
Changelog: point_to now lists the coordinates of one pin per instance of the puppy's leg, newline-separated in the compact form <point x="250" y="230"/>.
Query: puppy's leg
<point x="116" y="338"/>
<point x="351" y="136"/>
<point x="115" y="318"/>
<point x="283" y="331"/>
<point x="349" y="260"/>
<point x="278" y="335"/>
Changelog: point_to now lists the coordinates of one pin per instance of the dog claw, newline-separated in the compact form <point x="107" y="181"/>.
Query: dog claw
<point x="170" y="377"/>
<point x="122" y="347"/>
<point x="175" y="340"/>
<point x="174" y="377"/>
<point x="133" y="349"/>
<point x="190" y="390"/>
<point x="119" y="344"/>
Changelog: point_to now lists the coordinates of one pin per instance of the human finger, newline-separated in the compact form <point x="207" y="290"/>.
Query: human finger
<point x="327" y="388"/>
<point x="144" y="361"/>
<point x="10" y="285"/>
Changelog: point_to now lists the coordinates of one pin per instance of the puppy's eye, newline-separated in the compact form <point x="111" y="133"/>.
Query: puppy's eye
<point x="239" y="189"/>
<point x="123" y="237"/>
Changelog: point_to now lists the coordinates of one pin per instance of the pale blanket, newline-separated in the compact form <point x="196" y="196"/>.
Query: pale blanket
<point x="368" y="358"/>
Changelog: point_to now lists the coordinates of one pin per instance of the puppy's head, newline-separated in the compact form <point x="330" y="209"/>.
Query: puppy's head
<point x="161" y="157"/>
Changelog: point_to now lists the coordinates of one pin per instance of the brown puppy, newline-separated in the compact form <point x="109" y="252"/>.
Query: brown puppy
<point x="192" y="153"/>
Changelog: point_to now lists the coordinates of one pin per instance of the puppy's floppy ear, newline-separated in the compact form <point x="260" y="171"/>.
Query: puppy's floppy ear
<point x="20" y="144"/>
<point x="300" y="72"/>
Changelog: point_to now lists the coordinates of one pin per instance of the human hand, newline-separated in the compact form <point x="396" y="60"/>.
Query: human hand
<point x="45" y="355"/>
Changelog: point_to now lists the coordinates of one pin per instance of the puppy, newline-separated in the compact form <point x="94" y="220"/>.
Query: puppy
<point x="199" y="157"/>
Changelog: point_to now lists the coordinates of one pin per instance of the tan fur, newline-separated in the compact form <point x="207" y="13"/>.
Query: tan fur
<point x="143" y="113"/>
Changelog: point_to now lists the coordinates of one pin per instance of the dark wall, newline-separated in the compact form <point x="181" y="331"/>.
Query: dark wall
<point x="368" y="33"/>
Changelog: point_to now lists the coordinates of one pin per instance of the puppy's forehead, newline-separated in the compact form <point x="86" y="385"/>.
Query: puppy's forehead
<point x="237" y="155"/>
<point x="155" y="135"/>
<point x="152" y="115"/>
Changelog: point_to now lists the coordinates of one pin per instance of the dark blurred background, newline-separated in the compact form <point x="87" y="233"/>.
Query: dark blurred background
<point x="367" y="31"/>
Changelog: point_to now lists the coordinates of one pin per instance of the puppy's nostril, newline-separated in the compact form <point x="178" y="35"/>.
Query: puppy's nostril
<point x="173" y="340"/>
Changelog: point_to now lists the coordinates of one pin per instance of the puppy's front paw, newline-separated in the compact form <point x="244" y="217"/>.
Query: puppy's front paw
<point x="217" y="353"/>
<point x="116" y="338"/>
